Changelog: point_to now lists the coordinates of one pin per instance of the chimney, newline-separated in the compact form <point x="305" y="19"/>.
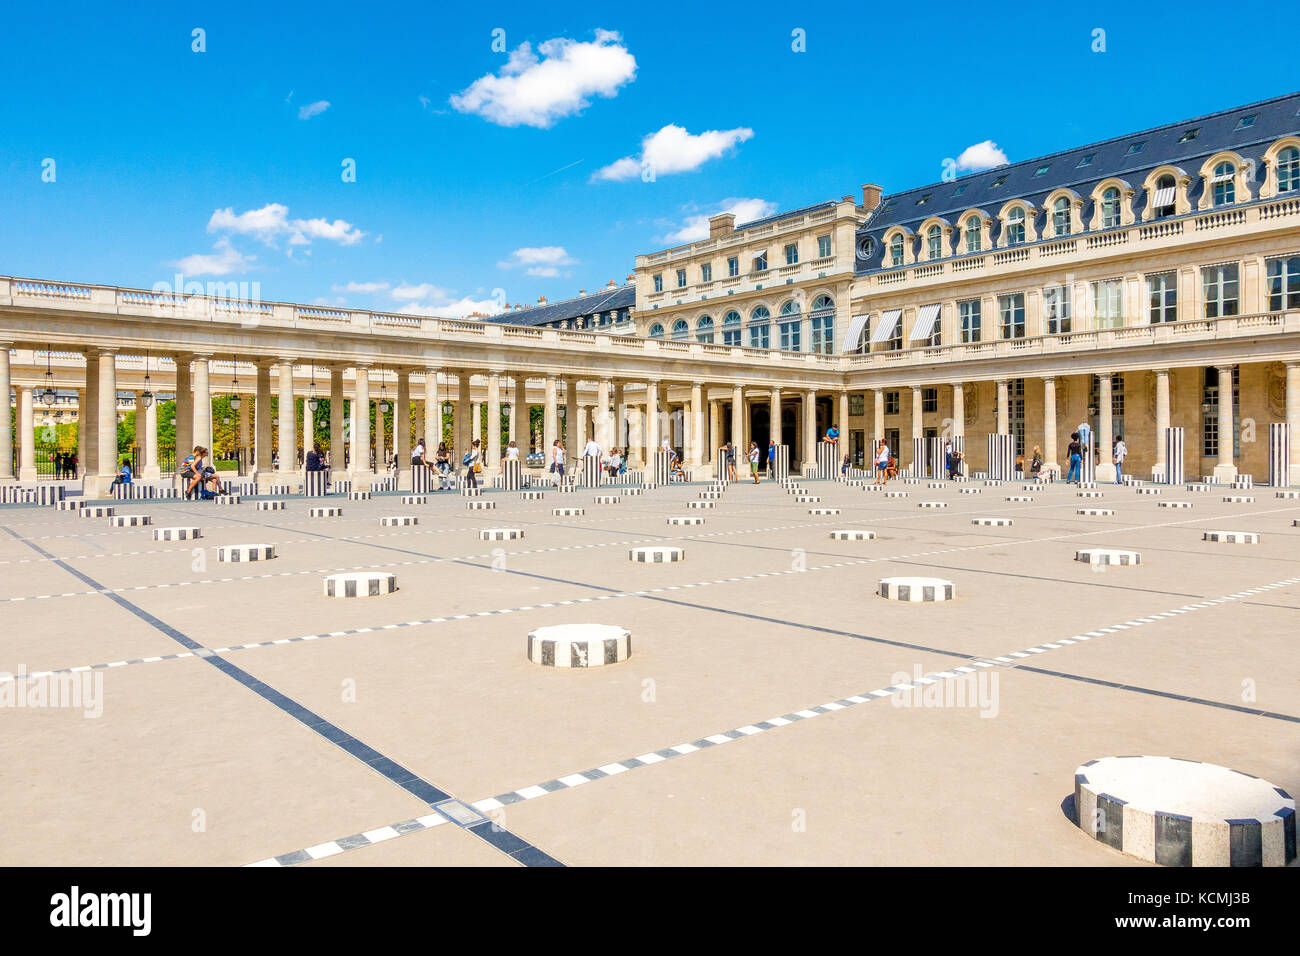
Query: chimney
<point x="723" y="224"/>
<point x="612" y="284"/>
<point x="870" y="196"/>
<point x="631" y="277"/>
<point x="848" y="198"/>
<point x="541" y="300"/>
<point x="582" y="292"/>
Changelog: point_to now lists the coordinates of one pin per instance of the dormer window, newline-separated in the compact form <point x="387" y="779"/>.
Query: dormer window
<point x="1162" y="203"/>
<point x="1135" y="148"/>
<point x="934" y="240"/>
<point x="1061" y="217"/>
<point x="973" y="237"/>
<point x="1246" y="121"/>
<point x="1190" y="135"/>
<point x="1224" y="183"/>
<point x="1016" y="226"/>
<point x="896" y="250"/>
<point x="1110" y="208"/>
<point x="1085" y="161"/>
<point x="998" y="182"/>
<point x="1042" y="170"/>
<point x="960" y="189"/>
<point x="924" y="199"/>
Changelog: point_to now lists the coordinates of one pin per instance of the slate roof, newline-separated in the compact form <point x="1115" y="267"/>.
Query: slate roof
<point x="1273" y="119"/>
<point x="604" y="300"/>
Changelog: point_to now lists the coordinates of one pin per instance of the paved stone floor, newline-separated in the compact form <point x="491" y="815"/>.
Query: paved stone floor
<point x="248" y="719"/>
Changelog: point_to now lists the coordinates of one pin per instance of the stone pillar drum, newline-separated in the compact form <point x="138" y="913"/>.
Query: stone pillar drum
<point x="620" y="438"/>
<point x="958" y="413"/>
<point x="461" y="427"/>
<point x="550" y="419"/>
<point x="6" y="417"/>
<point x="918" y="418"/>
<point x="651" y="429"/>
<point x="809" y="429"/>
<point x="152" y="464"/>
<point x="1105" y="429"/>
<point x="308" y="429"/>
<point x="715" y="427"/>
<point x="1050" y="464"/>
<point x="492" y="453"/>
<point x="107" y="412"/>
<point x="402" y="430"/>
<point x="285" y="412"/>
<point x="774" y="414"/>
<point x="432" y="413"/>
<point x="1004" y="413"/>
<point x="360" y="466"/>
<point x="83" y="441"/>
<point x="572" y="440"/>
<point x="521" y="417"/>
<point x="843" y="423"/>
<point x="604" y="434"/>
<point x="202" y="414"/>
<point x="695" y="457"/>
<point x="26" y="436"/>
<point x="88" y="417"/>
<point x="1160" y="470"/>
<point x="261" y="421"/>
<point x="338" y="457"/>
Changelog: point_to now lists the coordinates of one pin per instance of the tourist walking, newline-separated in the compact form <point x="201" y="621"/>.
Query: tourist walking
<point x="1119" y="453"/>
<point x="753" y="461"/>
<point x="1075" y="452"/>
<point x="1036" y="463"/>
<point x="882" y="462"/>
<point x="771" y="459"/>
<point x="473" y="462"/>
<point x="557" y="460"/>
<point x="731" y="461"/>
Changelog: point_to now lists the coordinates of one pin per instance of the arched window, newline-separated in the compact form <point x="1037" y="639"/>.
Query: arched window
<point x="1225" y="186"/>
<point x="896" y="250"/>
<point x="1288" y="170"/>
<point x="656" y="331"/>
<point x="1110" y="208"/>
<point x="1016" y="226"/>
<point x="934" y="239"/>
<point x="823" y="325"/>
<point x="1163" y="202"/>
<point x="1061" y="217"/>
<point x="681" y="329"/>
<point x="973" y="237"/>
<point x="731" y="328"/>
<point x="760" y="328"/>
<point x="704" y="329"/>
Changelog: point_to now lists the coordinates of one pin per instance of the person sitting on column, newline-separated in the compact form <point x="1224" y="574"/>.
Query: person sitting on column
<point x="613" y="462"/>
<point x="442" y="461"/>
<point x="123" y="476"/>
<point x="844" y="467"/>
<point x="315" y="461"/>
<point x="675" y="472"/>
<point x="473" y="462"/>
<point x="832" y="435"/>
<point x="512" y="452"/>
<point x="211" y="480"/>
<point x="417" y="454"/>
<point x="882" y="462"/>
<point x="1118" y="455"/>
<point x="191" y="471"/>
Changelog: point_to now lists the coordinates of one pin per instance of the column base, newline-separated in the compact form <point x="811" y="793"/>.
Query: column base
<point x="405" y="482"/>
<point x="94" y="487"/>
<point x="1052" y="468"/>
<point x="361" y="480"/>
<point x="27" y="474"/>
<point x="1106" y="472"/>
<point x="151" y="473"/>
<point x="1159" y="471"/>
<point x="1225" y="472"/>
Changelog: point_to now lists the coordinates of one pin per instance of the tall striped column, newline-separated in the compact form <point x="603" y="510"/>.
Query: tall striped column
<point x="1002" y="459"/>
<point x="782" y="469"/>
<point x="1279" y="454"/>
<point x="512" y="474"/>
<point x="827" y="460"/>
<point x="590" y="471"/>
<point x="1173" y="449"/>
<point x="918" y="462"/>
<point x="661" y="466"/>
<point x="934" y="458"/>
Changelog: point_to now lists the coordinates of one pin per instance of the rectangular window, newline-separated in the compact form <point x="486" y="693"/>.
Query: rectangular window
<point x="733" y="266"/>
<point x="791" y="254"/>
<point x="706" y="272"/>
<point x="790" y="336"/>
<point x="731" y="336"/>
<point x="1219" y="290"/>
<point x="892" y="439"/>
<point x="1284" y="284"/>
<point x="681" y="278"/>
<point x="891" y="402"/>
<point x="1056" y="309"/>
<point x="760" y="336"/>
<point x="1210" y="414"/>
<point x="823" y="246"/>
<point x="1011" y="312"/>
<point x="1016" y="413"/>
<point x="1108" y="304"/>
<point x="822" y="329"/>
<point x="857" y="404"/>
<point x="968" y="314"/>
<point x="1162" y="297"/>
<point x="760" y="261"/>
<point x="929" y="400"/>
<point x="659" y="283"/>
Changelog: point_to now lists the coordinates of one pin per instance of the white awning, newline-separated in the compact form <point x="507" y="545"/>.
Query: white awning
<point x="759" y="255"/>
<point x="1164" y="197"/>
<point x="856" y="325"/>
<point x="1224" y="177"/>
<point x="923" y="327"/>
<point x="888" y="321"/>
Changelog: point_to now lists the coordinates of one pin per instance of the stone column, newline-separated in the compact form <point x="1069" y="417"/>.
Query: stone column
<point x="26" y="435"/>
<point x="550" y="419"/>
<point x="308" y="429"/>
<point x="958" y="411"/>
<point x="878" y="418"/>
<point x="696" y="455"/>
<point x="476" y="420"/>
<point x="1225" y="470"/>
<point x="1105" y="429"/>
<point x="809" y="428"/>
<point x="1293" y="416"/>
<point x="619" y="435"/>
<point x="774" y="413"/>
<point x="402" y="430"/>
<point x="381" y="399"/>
<point x="461" y="428"/>
<point x="521" y="417"/>
<point x="185" y="437"/>
<point x="738" y="422"/>
<point x="338" y="456"/>
<point x="152" y="464"/>
<point x="138" y="435"/>
<point x="1161" y="467"/>
<point x="83" y="444"/>
<point x="651" y="429"/>
<point x="917" y="415"/>
<point x="715" y="428"/>
<point x="432" y="413"/>
<point x="1004" y="413"/>
<point x="572" y="445"/>
<point x="361" y="473"/>
<point x="106" y="407"/>
<point x="244" y="407"/>
<point x="604" y="433"/>
<point x="1049" y="426"/>
<point x="492" y="454"/>
<point x="288" y="439"/>
<point x="6" y="418"/>
<point x="843" y="424"/>
<point x="88" y="417"/>
<point x="202" y="414"/>
<point x="261" y="420"/>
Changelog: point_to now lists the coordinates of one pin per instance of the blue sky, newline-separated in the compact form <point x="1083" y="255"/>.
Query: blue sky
<point x="479" y="169"/>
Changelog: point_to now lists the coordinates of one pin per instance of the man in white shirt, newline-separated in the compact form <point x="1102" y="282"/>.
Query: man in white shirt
<point x="591" y="450"/>
<point x="1120" y="453"/>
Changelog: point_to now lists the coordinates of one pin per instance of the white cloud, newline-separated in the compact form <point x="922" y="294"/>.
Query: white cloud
<point x="674" y="150"/>
<point x="695" y="228"/>
<point x="983" y="155"/>
<point x="453" y="308"/>
<point x="365" y="288"/>
<point x="533" y="91"/>
<point x="272" y="222"/>
<point x="411" y="293"/>
<point x="223" y="261"/>
<point x="541" y="261"/>
<point x="312" y="109"/>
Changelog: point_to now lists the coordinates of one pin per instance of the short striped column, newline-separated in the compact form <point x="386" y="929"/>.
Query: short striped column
<point x="329" y="511"/>
<point x="781" y="468"/>
<point x="1279" y="454"/>
<point x="590" y="471"/>
<point x="422" y="481"/>
<point x="49" y="495"/>
<point x="579" y="645"/>
<point x="720" y="464"/>
<point x="315" y="484"/>
<point x="176" y="534"/>
<point x="656" y="554"/>
<point x="1088" y="466"/>
<point x="512" y="474"/>
<point x="919" y="464"/>
<point x="359" y="584"/>
<point x="1174" y="466"/>
<point x="1002" y="459"/>
<point x="827" y="460"/>
<point x="130" y="521"/>
<point x="661" y="468"/>
<point x="243" y="553"/>
<point x="270" y="506"/>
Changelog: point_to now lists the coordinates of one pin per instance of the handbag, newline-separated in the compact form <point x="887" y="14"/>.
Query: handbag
<point x="478" y="467"/>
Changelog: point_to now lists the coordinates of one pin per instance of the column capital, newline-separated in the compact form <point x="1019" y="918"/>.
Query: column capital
<point x="283" y="360"/>
<point x="1160" y="371"/>
<point x="1049" y="379"/>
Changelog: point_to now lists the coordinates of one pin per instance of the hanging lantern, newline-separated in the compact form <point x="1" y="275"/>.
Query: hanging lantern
<point x="312" y="401"/>
<point x="47" y="393"/>
<point x="146" y="397"/>
<point x="235" y="400"/>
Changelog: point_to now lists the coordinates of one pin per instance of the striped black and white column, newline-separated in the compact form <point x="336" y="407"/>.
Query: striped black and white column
<point x="1279" y="454"/>
<point x="1002" y="457"/>
<point x="781" y="468"/>
<point x="1174" y="438"/>
<point x="590" y="471"/>
<point x="512" y="474"/>
<point x="316" y="484"/>
<point x="828" y="465"/>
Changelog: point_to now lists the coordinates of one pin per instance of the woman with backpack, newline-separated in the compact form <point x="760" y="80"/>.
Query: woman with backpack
<point x="473" y="462"/>
<point x="557" y="460"/>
